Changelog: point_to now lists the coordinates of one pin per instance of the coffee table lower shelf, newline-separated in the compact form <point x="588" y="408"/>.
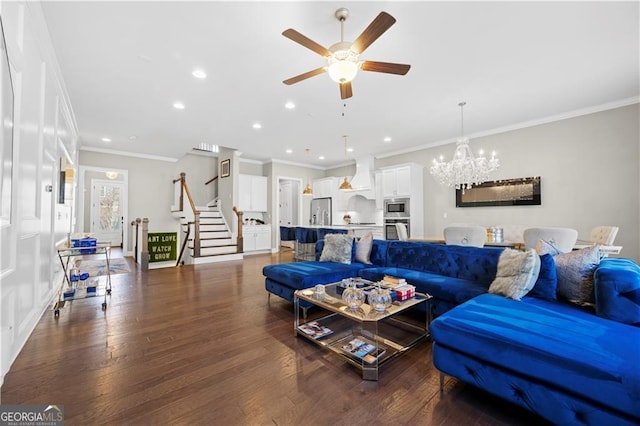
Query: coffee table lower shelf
<point x="388" y="336"/>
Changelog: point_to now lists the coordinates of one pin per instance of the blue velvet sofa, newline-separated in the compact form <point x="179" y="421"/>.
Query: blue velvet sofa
<point x="569" y="364"/>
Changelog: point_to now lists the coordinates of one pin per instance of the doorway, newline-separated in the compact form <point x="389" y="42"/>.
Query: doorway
<point x="289" y="204"/>
<point x="106" y="211"/>
<point x="113" y="227"/>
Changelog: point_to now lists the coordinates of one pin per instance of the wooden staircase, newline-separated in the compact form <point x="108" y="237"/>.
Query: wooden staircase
<point x="206" y="237"/>
<point x="217" y="244"/>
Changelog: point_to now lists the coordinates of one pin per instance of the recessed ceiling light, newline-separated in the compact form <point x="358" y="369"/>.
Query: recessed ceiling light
<point x="105" y="140"/>
<point x="289" y="151"/>
<point x="197" y="73"/>
<point x="349" y="149"/>
<point x="289" y="105"/>
<point x="178" y="105"/>
<point x="387" y="139"/>
<point x="133" y="137"/>
<point x="257" y="126"/>
<point x="321" y="157"/>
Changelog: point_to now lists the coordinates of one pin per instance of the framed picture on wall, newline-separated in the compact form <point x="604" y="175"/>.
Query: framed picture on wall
<point x="225" y="168"/>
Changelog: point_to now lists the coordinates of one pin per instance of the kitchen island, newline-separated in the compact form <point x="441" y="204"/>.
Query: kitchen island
<point x="307" y="236"/>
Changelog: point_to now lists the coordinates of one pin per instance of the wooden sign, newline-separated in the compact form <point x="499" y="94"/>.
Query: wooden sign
<point x="163" y="246"/>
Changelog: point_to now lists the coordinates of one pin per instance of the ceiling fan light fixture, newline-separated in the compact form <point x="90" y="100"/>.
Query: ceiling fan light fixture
<point x="343" y="63"/>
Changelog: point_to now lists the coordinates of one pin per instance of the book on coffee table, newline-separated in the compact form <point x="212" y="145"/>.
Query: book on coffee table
<point x="315" y="329"/>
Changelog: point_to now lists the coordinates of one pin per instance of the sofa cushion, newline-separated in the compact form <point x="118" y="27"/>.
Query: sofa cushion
<point x="517" y="273"/>
<point x="299" y="275"/>
<point x="337" y="248"/>
<point x="467" y="263"/>
<point x="363" y="247"/>
<point x="547" y="283"/>
<point x="453" y="290"/>
<point x="560" y="344"/>
<point x="575" y="275"/>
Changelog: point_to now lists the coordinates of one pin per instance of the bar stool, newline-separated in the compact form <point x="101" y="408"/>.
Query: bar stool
<point x="305" y="243"/>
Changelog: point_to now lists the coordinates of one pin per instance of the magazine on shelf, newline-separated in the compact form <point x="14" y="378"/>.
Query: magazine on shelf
<point x="315" y="329"/>
<point x="361" y="349"/>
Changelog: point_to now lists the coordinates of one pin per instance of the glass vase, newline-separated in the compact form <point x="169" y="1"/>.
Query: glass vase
<point x="380" y="299"/>
<point x="352" y="296"/>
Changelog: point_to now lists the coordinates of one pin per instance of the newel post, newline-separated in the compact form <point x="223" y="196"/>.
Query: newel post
<point x="240" y="239"/>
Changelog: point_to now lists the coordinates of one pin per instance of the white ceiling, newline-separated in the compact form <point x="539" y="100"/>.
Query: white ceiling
<point x="126" y="63"/>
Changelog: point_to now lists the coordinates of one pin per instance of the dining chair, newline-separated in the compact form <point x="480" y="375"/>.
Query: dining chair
<point x="563" y="239"/>
<point x="401" y="229"/>
<point x="604" y="235"/>
<point x="473" y="236"/>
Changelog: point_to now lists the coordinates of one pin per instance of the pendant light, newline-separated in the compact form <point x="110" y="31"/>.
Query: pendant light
<point x="345" y="185"/>
<point x="308" y="191"/>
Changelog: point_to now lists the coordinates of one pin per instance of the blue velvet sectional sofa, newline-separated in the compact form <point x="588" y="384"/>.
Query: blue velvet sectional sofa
<point x="569" y="364"/>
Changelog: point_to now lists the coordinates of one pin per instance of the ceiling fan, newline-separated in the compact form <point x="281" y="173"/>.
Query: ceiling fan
<point x="343" y="58"/>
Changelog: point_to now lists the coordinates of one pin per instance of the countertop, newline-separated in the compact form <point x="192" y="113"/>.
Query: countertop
<point x="350" y="226"/>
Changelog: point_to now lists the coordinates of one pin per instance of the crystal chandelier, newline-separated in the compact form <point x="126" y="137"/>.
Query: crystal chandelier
<point x="464" y="170"/>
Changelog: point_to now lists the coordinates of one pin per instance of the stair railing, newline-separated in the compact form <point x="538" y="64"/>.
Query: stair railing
<point x="141" y="237"/>
<point x="184" y="244"/>
<point x="240" y="239"/>
<point x="184" y="190"/>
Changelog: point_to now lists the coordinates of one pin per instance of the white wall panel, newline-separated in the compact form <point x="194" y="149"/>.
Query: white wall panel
<point x="44" y="131"/>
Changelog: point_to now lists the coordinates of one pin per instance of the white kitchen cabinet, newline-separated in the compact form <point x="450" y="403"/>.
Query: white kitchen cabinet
<point x="325" y="187"/>
<point x="406" y="181"/>
<point x="253" y="193"/>
<point x="396" y="182"/>
<point x="256" y="237"/>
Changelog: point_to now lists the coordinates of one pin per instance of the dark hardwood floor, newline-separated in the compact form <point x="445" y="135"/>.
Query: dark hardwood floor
<point x="203" y="345"/>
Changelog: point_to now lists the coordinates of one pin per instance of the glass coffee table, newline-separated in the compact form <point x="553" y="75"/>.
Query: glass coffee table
<point x="363" y="337"/>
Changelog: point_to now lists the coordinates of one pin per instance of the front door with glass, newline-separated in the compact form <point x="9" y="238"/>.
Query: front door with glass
<point x="106" y="211"/>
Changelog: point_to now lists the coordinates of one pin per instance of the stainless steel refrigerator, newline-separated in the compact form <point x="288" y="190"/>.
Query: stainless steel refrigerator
<point x="320" y="213"/>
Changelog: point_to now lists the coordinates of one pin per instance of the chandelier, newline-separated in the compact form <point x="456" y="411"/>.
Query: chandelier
<point x="464" y="170"/>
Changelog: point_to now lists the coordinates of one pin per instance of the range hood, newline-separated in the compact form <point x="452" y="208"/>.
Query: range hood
<point x="364" y="179"/>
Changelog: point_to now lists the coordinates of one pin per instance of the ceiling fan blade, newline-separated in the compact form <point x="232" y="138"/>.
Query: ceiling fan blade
<point x="386" y="67"/>
<point x="345" y="90"/>
<point x="304" y="76"/>
<point x="306" y="42"/>
<point x="375" y="29"/>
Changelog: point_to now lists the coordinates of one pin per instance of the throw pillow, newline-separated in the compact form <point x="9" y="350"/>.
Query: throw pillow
<point x="575" y="275"/>
<point x="517" y="273"/>
<point x="363" y="248"/>
<point x="547" y="283"/>
<point x="337" y="248"/>
<point x="546" y="247"/>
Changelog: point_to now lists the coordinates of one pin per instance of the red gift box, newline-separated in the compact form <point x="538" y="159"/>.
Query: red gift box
<point x="405" y="291"/>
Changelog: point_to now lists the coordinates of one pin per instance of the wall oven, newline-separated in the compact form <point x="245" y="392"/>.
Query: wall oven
<point x="390" y="232"/>
<point x="396" y="207"/>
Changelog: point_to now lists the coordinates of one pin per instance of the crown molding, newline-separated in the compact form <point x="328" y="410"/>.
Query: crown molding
<point x="128" y="154"/>
<point x="523" y="125"/>
<point x="292" y="163"/>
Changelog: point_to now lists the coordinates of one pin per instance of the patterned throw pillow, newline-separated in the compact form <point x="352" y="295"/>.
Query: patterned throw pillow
<point x="363" y="248"/>
<point x="547" y="247"/>
<point x="517" y="273"/>
<point x="337" y="248"/>
<point x="575" y="275"/>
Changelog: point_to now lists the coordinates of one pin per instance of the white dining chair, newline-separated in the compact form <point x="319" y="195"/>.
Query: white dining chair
<point x="473" y="236"/>
<point x="604" y="235"/>
<point x="401" y="229"/>
<point x="563" y="239"/>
